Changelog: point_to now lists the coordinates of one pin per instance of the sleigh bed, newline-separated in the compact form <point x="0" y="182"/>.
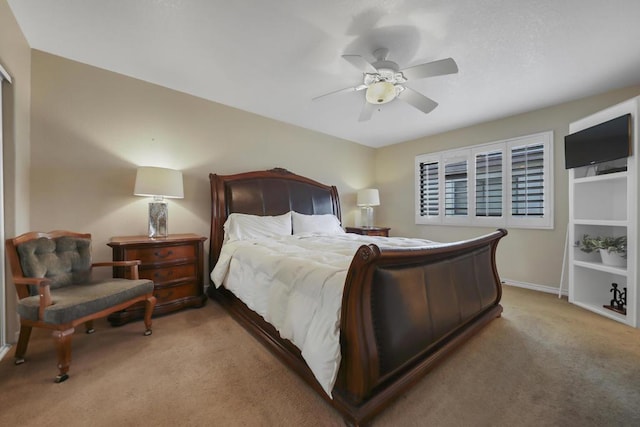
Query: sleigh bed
<point x="402" y="311"/>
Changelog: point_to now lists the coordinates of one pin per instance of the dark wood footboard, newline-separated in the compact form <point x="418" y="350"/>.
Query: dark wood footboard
<point x="403" y="311"/>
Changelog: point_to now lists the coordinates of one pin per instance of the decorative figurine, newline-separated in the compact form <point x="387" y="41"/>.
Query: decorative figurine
<point x="619" y="300"/>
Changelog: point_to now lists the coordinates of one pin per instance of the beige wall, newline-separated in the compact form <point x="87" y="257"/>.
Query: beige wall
<point x="15" y="57"/>
<point x="91" y="128"/>
<point x="527" y="256"/>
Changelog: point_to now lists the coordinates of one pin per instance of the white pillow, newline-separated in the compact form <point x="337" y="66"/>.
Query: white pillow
<point x="327" y="223"/>
<point x="243" y="227"/>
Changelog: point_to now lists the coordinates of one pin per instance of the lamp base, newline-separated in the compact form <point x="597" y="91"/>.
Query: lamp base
<point x="367" y="216"/>
<point x="158" y="219"/>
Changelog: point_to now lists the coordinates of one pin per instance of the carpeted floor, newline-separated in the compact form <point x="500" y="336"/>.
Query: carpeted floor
<point x="545" y="362"/>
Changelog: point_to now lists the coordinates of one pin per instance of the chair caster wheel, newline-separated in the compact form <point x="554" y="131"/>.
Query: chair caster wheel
<point x="90" y="331"/>
<point x="147" y="332"/>
<point x="61" y="378"/>
<point x="19" y="361"/>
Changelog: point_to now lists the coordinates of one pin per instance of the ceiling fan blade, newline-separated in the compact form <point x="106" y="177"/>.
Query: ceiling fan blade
<point x="367" y="111"/>
<point x="347" y="89"/>
<point x="418" y="100"/>
<point x="360" y="63"/>
<point x="431" y="69"/>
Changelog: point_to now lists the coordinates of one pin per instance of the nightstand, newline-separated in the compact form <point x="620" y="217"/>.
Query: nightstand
<point x="175" y="264"/>
<point x="369" y="231"/>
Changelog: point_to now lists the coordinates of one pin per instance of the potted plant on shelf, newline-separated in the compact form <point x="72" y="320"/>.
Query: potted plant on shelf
<point x="613" y="250"/>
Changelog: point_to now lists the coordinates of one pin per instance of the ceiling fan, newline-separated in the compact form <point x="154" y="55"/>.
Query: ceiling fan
<point x="384" y="81"/>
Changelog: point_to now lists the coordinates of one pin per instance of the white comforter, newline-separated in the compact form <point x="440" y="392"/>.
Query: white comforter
<point x="296" y="283"/>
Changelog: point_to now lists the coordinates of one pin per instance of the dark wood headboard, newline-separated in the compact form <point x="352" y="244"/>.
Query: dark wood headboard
<point x="272" y="192"/>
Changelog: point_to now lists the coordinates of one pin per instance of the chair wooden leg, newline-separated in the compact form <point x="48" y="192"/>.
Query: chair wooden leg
<point x="62" y="341"/>
<point x="149" y="305"/>
<point x="88" y="325"/>
<point x="23" y="343"/>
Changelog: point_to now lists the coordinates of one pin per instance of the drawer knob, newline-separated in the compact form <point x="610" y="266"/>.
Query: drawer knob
<point x="161" y="255"/>
<point x="159" y="275"/>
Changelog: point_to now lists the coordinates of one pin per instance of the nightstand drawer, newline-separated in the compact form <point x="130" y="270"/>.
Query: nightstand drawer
<point x="383" y="233"/>
<point x="161" y="254"/>
<point x="173" y="293"/>
<point x="369" y="231"/>
<point x="167" y="274"/>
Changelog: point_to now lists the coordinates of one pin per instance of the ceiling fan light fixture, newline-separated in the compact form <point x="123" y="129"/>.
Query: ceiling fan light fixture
<point x="381" y="92"/>
<point x="384" y="81"/>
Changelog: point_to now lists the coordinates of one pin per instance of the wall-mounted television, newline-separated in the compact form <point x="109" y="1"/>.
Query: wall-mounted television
<point x="601" y="143"/>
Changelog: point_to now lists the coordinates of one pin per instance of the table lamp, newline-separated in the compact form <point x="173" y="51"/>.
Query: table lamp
<point x="366" y="199"/>
<point x="158" y="183"/>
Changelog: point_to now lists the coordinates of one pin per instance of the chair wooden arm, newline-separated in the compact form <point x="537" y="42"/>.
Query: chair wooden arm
<point x="117" y="263"/>
<point x="33" y="281"/>
<point x="132" y="264"/>
<point x="43" y="290"/>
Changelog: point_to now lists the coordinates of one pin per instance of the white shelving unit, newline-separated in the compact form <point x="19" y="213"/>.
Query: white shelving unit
<point x="605" y="205"/>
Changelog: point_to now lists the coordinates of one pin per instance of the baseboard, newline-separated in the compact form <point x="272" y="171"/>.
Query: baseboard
<point x="4" y="350"/>
<point x="533" y="286"/>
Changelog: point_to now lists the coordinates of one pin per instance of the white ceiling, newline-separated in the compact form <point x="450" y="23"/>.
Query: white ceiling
<point x="271" y="57"/>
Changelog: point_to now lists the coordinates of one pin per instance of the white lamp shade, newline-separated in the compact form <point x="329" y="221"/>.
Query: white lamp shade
<point x="160" y="182"/>
<point x="368" y="197"/>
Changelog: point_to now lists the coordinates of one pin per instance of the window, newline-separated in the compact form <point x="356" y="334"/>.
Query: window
<point x="429" y="189"/>
<point x="455" y="188"/>
<point x="488" y="184"/>
<point x="527" y="180"/>
<point x="502" y="184"/>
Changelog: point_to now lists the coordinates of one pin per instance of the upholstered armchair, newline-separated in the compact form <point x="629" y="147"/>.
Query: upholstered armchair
<point x="52" y="273"/>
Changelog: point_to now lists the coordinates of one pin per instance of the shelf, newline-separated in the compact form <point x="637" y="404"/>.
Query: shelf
<point x="602" y="311"/>
<point x="603" y="222"/>
<point x="602" y="199"/>
<point x="601" y="267"/>
<point x="601" y="178"/>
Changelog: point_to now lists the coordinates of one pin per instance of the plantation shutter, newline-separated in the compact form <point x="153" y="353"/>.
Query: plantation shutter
<point x="429" y="191"/>
<point x="456" y="188"/>
<point x="527" y="181"/>
<point x="500" y="184"/>
<point x="488" y="180"/>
